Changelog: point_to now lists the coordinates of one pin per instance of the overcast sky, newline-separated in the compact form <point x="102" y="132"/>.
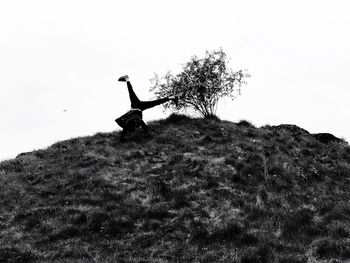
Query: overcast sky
<point x="60" y="61"/>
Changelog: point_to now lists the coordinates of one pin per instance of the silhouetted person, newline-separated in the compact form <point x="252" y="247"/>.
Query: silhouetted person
<point x="133" y="118"/>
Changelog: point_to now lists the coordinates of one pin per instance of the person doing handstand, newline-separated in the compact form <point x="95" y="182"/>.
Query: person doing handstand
<point x="133" y="118"/>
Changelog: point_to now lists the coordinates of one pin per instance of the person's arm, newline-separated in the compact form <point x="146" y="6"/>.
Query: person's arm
<point x="121" y="139"/>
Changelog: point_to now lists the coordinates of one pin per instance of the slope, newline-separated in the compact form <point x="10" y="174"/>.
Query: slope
<point x="199" y="190"/>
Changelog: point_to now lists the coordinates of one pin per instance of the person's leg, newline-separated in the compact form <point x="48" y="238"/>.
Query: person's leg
<point x="133" y="98"/>
<point x="143" y="105"/>
<point x="149" y="104"/>
<point x="135" y="102"/>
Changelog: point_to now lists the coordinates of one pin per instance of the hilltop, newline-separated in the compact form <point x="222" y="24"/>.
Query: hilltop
<point x="199" y="190"/>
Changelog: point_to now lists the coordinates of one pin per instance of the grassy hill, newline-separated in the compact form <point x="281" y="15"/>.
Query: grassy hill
<point x="199" y="190"/>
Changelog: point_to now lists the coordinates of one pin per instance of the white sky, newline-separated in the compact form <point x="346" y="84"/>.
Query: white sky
<point x="68" y="55"/>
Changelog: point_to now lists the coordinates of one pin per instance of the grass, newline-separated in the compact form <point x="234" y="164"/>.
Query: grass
<point x="199" y="190"/>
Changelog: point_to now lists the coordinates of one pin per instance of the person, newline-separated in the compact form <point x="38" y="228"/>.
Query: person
<point x="133" y="118"/>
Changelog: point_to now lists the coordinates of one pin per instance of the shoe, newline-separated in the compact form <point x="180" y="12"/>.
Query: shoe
<point x="124" y="78"/>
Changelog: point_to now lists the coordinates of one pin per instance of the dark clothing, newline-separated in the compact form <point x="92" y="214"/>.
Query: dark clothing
<point x="142" y="105"/>
<point x="133" y="118"/>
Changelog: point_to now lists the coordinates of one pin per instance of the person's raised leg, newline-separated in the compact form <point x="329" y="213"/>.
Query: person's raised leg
<point x="135" y="102"/>
<point x="150" y="104"/>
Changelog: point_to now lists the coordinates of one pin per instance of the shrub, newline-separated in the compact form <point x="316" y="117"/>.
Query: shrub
<point x="202" y="82"/>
